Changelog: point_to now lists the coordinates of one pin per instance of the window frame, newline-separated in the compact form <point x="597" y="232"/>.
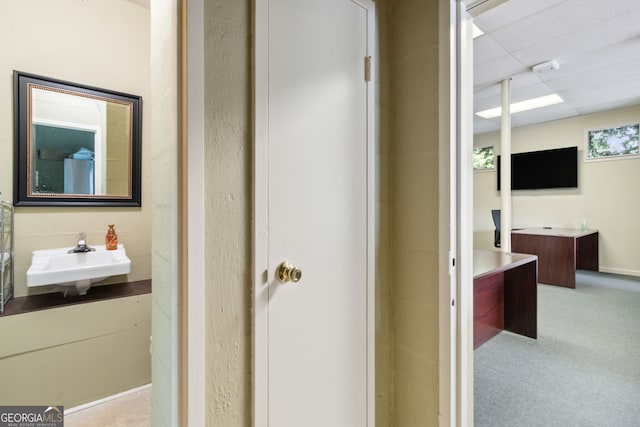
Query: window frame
<point x="587" y="133"/>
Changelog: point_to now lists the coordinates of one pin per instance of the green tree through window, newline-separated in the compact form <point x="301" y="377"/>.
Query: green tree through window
<point x="618" y="141"/>
<point x="483" y="158"/>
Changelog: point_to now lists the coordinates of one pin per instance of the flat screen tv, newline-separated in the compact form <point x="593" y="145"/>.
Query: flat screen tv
<point x="557" y="168"/>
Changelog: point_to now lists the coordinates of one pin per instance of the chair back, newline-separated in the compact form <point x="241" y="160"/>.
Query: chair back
<point x="495" y="213"/>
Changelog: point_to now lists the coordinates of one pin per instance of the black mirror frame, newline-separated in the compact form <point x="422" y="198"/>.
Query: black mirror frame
<point x="21" y="195"/>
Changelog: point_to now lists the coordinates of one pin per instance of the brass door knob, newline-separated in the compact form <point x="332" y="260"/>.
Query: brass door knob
<point x="286" y="272"/>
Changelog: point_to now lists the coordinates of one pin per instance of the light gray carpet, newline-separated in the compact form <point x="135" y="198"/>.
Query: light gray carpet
<point x="584" y="368"/>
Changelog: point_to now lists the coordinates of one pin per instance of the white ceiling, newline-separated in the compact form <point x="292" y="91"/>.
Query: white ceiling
<point x="596" y="43"/>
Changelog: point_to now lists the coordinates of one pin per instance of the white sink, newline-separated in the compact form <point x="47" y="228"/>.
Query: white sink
<point x="74" y="273"/>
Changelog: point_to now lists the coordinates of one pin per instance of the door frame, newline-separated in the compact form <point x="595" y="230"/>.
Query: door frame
<point x="464" y="196"/>
<point x="456" y="229"/>
<point x="192" y="388"/>
<point x="260" y="273"/>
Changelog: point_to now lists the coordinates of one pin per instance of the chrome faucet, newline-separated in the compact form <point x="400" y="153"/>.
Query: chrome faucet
<point x="81" y="246"/>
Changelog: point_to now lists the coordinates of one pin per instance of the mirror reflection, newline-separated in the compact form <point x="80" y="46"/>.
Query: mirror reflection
<point x="76" y="145"/>
<point x="69" y="150"/>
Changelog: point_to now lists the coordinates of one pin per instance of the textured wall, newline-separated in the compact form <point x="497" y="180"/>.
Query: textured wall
<point x="415" y="217"/>
<point x="384" y="295"/>
<point x="227" y="207"/>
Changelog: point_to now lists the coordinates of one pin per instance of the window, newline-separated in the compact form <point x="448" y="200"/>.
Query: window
<point x="483" y="158"/>
<point x="617" y="142"/>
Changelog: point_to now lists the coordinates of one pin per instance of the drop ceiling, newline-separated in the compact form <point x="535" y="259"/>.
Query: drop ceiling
<point x="595" y="42"/>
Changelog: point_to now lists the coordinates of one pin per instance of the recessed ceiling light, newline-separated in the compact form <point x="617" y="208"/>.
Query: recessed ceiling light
<point x="517" y="107"/>
<point x="476" y="32"/>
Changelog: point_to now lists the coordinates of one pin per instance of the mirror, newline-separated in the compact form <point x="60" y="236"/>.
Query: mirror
<point x="75" y="145"/>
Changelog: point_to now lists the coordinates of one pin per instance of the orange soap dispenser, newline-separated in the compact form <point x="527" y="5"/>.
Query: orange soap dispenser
<point x="111" y="239"/>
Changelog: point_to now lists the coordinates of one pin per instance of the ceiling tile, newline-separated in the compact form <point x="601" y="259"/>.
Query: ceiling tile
<point x="589" y="79"/>
<point x="597" y="105"/>
<point x="564" y="18"/>
<point x="596" y="42"/>
<point x="518" y="94"/>
<point x="485" y="50"/>
<point x="481" y="125"/>
<point x="511" y="11"/>
<point x="540" y="115"/>
<point x="605" y="91"/>
<point x="496" y="71"/>
<point x="600" y="36"/>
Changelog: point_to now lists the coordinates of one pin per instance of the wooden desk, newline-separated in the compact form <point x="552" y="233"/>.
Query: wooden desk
<point x="505" y="294"/>
<point x="561" y="251"/>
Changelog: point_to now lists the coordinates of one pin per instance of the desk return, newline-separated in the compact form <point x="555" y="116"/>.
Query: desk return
<point x="505" y="294"/>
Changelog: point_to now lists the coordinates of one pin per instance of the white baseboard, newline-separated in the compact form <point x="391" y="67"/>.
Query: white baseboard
<point x="106" y="399"/>
<point x="622" y="271"/>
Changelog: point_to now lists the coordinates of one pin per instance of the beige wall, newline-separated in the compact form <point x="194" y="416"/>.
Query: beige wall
<point x="384" y="354"/>
<point x="77" y="354"/>
<point x="227" y="189"/>
<point x="102" y="43"/>
<point x="606" y="196"/>
<point x="82" y="353"/>
<point x="414" y="58"/>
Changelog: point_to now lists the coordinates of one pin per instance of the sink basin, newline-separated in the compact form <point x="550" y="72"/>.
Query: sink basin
<point x="74" y="273"/>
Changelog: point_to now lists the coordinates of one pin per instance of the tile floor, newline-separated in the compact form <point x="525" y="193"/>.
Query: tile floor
<point x="132" y="410"/>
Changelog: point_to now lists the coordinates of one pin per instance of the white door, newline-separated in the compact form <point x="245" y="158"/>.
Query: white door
<point x="316" y="333"/>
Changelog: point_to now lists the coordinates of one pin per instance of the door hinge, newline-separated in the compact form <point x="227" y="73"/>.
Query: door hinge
<point x="367" y="69"/>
